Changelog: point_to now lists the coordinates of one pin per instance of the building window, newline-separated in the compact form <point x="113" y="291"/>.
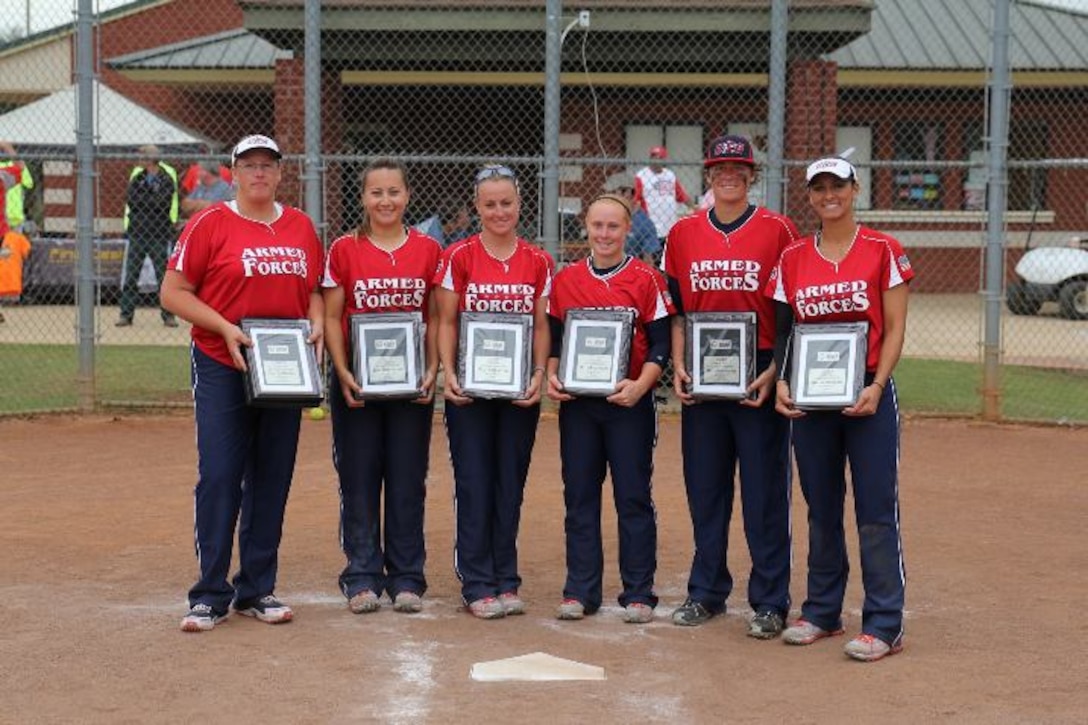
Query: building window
<point x="918" y="187"/>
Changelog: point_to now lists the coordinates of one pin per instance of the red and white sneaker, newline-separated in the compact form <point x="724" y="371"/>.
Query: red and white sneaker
<point x="487" y="608"/>
<point x="512" y="604"/>
<point x="802" y="632"/>
<point x="867" y="648"/>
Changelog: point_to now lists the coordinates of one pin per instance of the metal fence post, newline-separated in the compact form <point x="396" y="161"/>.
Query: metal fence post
<point x="1000" y="87"/>
<point x="549" y="209"/>
<point x="776" y="104"/>
<point x="312" y="114"/>
<point x="85" y="161"/>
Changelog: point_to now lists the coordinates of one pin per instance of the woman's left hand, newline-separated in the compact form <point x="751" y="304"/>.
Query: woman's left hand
<point x="628" y="393"/>
<point x="532" y="394"/>
<point x="427" y="388"/>
<point x="867" y="402"/>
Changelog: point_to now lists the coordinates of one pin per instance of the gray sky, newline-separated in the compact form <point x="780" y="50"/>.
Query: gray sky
<point x="50" y="13"/>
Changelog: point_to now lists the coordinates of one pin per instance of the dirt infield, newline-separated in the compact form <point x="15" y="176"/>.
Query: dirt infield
<point x="95" y="530"/>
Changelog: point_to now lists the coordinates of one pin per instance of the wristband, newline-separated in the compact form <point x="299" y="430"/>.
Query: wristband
<point x="878" y="384"/>
<point x="538" y="369"/>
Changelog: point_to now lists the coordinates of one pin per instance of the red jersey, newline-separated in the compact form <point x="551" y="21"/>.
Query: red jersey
<point x="634" y="285"/>
<point x="719" y="272"/>
<point x="851" y="290"/>
<point x="485" y="284"/>
<point x="241" y="267"/>
<point x="376" y="280"/>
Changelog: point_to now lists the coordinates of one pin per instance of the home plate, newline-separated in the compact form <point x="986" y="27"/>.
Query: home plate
<point x="535" y="667"/>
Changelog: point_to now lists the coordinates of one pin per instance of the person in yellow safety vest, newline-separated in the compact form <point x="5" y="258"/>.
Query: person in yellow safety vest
<point x="151" y="210"/>
<point x="13" y="199"/>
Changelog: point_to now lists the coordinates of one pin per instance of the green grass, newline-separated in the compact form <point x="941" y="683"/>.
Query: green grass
<point x="1027" y="393"/>
<point x="43" y="377"/>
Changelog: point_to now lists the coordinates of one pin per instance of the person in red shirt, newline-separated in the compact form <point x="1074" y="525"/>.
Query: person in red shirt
<point x="381" y="445"/>
<point x="617" y="432"/>
<point x="719" y="260"/>
<point x="252" y="257"/>
<point x="491" y="440"/>
<point x="847" y="273"/>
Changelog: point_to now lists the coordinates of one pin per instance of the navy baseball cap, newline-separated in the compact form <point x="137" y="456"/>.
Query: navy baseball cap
<point x="734" y="149"/>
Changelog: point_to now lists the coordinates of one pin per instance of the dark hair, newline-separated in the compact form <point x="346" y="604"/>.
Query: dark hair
<point x="378" y="164"/>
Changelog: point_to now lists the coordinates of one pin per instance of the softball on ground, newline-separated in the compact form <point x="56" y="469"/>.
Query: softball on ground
<point x="317" y="413"/>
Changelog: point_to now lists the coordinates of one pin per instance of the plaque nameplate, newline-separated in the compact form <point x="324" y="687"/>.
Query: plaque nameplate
<point x="494" y="354"/>
<point x="387" y="354"/>
<point x="828" y="363"/>
<point x="596" y="350"/>
<point x="720" y="353"/>
<point x="282" y="365"/>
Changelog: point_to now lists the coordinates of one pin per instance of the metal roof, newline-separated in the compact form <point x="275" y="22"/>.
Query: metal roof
<point x="234" y="49"/>
<point x="955" y="35"/>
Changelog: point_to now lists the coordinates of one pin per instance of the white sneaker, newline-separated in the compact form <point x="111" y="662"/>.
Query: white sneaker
<point x="268" y="609"/>
<point x="638" y="613"/>
<point x="201" y="618"/>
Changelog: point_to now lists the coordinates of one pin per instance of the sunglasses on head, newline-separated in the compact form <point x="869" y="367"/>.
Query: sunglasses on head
<point x="494" y="171"/>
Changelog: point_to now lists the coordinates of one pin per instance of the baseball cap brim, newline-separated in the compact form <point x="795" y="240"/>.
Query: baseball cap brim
<point x="252" y="143"/>
<point x="833" y="165"/>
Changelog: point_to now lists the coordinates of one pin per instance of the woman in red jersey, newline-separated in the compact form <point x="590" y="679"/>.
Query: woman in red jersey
<point x="246" y="454"/>
<point x="848" y="273"/>
<point x="719" y="260"/>
<point x="381" y="445"/>
<point x="617" y="432"/>
<point x="491" y="441"/>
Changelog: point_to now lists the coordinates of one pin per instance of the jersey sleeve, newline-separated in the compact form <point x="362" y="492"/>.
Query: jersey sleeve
<point x="545" y="269"/>
<point x="681" y="193"/>
<point x="898" y="269"/>
<point x="639" y="200"/>
<point x="193" y="249"/>
<point x="776" y="288"/>
<point x="557" y="299"/>
<point x="450" y="274"/>
<point x="333" y="274"/>
<point x="657" y="302"/>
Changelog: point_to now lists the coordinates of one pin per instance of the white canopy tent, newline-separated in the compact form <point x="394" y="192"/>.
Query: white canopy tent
<point x="120" y="124"/>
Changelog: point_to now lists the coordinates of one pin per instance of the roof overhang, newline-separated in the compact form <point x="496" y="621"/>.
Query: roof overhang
<point x="475" y="36"/>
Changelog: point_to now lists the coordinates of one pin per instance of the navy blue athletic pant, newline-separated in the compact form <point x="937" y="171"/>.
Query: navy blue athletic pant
<point x="491" y="444"/>
<point x="382" y="447"/>
<point x="823" y="443"/>
<point x="716" y="435"/>
<point x="595" y="435"/>
<point x="246" y="457"/>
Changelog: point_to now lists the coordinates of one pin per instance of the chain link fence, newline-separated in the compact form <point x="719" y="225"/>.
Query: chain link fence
<point x="446" y="86"/>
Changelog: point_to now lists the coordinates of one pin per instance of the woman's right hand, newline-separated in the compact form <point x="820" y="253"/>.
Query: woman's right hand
<point x="236" y="340"/>
<point x="783" y="403"/>
<point x="555" y="390"/>
<point x="452" y="392"/>
<point x="680" y="384"/>
<point x="349" y="388"/>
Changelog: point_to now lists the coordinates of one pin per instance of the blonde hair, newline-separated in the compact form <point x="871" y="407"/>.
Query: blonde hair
<point x="615" y="199"/>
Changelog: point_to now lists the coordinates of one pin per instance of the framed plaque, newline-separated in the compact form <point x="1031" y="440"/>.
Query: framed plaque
<point x="387" y="354"/>
<point x="282" y="365"/>
<point x="596" y="350"/>
<point x="720" y="354"/>
<point x="828" y="364"/>
<point x="494" y="354"/>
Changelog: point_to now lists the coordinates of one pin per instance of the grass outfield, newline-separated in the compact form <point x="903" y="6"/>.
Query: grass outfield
<point x="42" y="377"/>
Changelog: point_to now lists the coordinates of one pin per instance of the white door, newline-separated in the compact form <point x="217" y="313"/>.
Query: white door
<point x="860" y="139"/>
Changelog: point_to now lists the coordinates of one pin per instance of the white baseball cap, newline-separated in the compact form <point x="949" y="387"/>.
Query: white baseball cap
<point x="256" y="141"/>
<point x="833" y="165"/>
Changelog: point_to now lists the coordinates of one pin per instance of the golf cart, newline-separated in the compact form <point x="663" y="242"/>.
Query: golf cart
<point x="1051" y="274"/>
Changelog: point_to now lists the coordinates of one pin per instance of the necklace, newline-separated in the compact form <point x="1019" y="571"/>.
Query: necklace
<point x="504" y="261"/>
<point x="840" y="254"/>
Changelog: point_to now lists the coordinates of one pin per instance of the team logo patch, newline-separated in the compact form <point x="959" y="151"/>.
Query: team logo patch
<point x="904" y="263"/>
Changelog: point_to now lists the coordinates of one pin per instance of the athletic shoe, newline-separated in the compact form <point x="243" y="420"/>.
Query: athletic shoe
<point x="802" y="632"/>
<point x="170" y="321"/>
<point x="638" y="613"/>
<point x="267" y="609"/>
<point x="867" y="648"/>
<point x="407" y="603"/>
<point x="364" y="602"/>
<point x="512" y="603"/>
<point x="487" y="608"/>
<point x="123" y="322"/>
<point x="691" y="614"/>
<point x="571" y="610"/>
<point x="201" y="618"/>
<point x="766" y="624"/>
